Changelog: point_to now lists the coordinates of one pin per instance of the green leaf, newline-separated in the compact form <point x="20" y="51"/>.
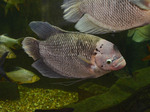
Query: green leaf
<point x="140" y="34"/>
<point x="120" y="91"/>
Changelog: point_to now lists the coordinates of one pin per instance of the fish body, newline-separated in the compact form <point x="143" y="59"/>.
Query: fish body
<point x="22" y="76"/>
<point x="10" y="42"/>
<point x="4" y="48"/>
<point x="105" y="16"/>
<point x="143" y="4"/>
<point x="70" y="54"/>
<point x="2" y="60"/>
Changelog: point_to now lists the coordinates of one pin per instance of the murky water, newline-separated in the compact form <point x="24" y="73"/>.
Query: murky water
<point x="126" y="90"/>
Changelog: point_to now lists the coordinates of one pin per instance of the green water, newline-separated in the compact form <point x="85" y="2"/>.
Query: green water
<point x="115" y="92"/>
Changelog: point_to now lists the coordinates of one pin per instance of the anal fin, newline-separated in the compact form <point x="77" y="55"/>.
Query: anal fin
<point x="45" y="70"/>
<point x="90" y="25"/>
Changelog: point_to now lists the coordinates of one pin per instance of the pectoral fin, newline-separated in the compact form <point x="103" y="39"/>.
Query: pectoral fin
<point x="143" y="4"/>
<point x="85" y="61"/>
<point x="90" y="25"/>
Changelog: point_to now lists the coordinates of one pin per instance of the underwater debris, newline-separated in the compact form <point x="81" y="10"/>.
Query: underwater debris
<point x="147" y="58"/>
<point x="71" y="54"/>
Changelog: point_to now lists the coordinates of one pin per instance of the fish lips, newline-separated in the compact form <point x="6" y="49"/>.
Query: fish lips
<point x="118" y="64"/>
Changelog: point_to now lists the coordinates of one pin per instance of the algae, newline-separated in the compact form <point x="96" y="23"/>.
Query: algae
<point x="93" y="88"/>
<point x="120" y="91"/>
<point x="38" y="98"/>
<point x="8" y="91"/>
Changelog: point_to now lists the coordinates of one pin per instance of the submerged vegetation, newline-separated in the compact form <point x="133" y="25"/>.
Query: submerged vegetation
<point x="140" y="34"/>
<point x="39" y="98"/>
<point x="119" y="92"/>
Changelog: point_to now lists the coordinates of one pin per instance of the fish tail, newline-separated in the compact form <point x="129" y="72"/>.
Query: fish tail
<point x="19" y="40"/>
<point x="2" y="60"/>
<point x="31" y="47"/>
<point x="72" y="11"/>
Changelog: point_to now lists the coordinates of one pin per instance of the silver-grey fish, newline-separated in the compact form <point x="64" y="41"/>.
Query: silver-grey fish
<point x="22" y="76"/>
<point x="105" y="16"/>
<point x="11" y="42"/>
<point x="4" y="48"/>
<point x="143" y="4"/>
<point x="71" y="54"/>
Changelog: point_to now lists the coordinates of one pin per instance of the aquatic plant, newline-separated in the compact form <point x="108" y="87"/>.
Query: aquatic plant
<point x="120" y="91"/>
<point x="39" y="98"/>
<point x="140" y="34"/>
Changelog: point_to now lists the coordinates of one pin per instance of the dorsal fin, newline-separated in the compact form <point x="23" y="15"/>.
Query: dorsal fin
<point x="44" y="29"/>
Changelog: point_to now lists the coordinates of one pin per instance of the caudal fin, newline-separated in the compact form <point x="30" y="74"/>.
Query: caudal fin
<point x="72" y="11"/>
<point x="31" y="47"/>
<point x="19" y="41"/>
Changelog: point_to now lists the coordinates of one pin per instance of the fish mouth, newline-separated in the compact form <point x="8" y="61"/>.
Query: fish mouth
<point x="119" y="63"/>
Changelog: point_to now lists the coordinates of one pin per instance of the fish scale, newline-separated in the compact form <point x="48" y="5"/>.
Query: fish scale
<point x="104" y="16"/>
<point x="61" y="54"/>
<point x="117" y="14"/>
<point x="64" y="54"/>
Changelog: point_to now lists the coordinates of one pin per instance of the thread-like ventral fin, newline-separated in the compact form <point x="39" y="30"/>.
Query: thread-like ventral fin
<point x="45" y="70"/>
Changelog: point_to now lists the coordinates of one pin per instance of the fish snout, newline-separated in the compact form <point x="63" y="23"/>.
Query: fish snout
<point x="118" y="63"/>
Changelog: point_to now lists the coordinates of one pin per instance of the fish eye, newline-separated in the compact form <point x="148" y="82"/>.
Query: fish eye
<point x="108" y="61"/>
